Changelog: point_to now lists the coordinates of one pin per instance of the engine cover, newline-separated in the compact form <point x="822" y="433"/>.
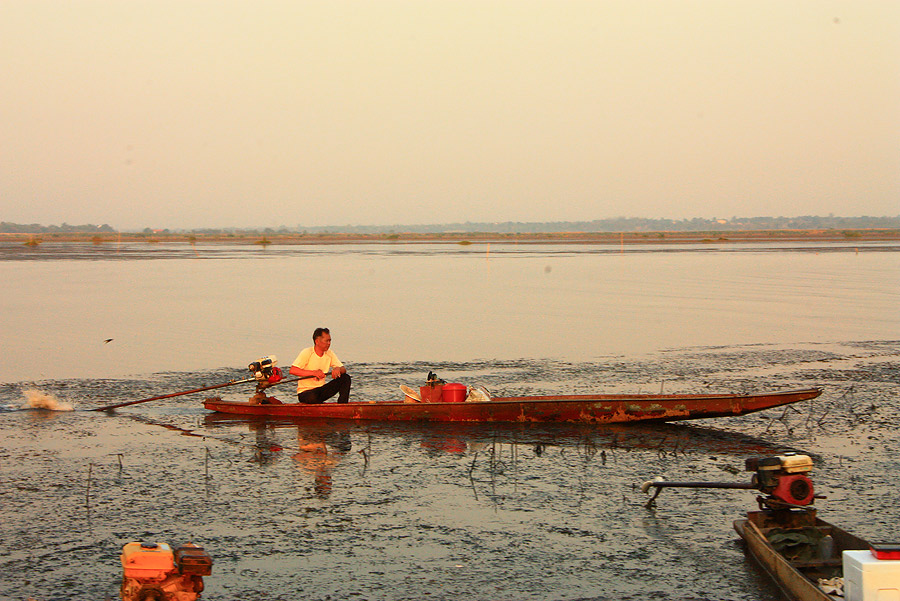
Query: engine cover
<point x="796" y="489"/>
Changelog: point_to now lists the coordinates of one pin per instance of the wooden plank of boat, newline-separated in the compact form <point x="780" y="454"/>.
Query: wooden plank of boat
<point x="602" y="409"/>
<point x="797" y="578"/>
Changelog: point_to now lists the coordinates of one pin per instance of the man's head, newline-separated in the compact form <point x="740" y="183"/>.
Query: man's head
<point x="322" y="339"/>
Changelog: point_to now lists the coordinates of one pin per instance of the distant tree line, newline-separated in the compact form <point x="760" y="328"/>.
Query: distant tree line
<point x="620" y="224"/>
<point x="65" y="228"/>
<point x="629" y="224"/>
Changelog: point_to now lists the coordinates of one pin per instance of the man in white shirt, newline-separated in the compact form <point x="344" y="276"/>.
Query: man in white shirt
<point x="314" y="363"/>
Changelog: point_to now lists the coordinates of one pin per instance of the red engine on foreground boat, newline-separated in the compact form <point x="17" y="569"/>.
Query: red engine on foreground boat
<point x="152" y="572"/>
<point x="783" y="478"/>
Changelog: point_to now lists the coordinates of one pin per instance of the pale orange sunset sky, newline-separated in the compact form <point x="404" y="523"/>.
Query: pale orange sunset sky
<point x="187" y="114"/>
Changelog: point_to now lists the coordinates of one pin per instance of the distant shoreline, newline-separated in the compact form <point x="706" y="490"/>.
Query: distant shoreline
<point x="661" y="237"/>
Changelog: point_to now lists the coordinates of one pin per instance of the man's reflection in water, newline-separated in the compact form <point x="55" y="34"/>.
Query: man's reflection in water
<point x="318" y="453"/>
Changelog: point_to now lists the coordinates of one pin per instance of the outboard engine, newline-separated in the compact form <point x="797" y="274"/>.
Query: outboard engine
<point x="783" y="478"/>
<point x="267" y="374"/>
<point x="152" y="572"/>
<point x="264" y="370"/>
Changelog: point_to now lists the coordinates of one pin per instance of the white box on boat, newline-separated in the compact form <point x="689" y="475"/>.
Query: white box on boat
<point x="867" y="578"/>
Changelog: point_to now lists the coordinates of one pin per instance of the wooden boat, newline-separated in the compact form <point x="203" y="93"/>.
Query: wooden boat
<point x="803" y="554"/>
<point x="798" y="571"/>
<point x="595" y="409"/>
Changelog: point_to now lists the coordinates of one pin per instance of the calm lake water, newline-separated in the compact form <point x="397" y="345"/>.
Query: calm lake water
<point x="393" y="511"/>
<point x="178" y="307"/>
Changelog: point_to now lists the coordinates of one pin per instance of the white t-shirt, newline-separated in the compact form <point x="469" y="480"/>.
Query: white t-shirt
<point x="308" y="359"/>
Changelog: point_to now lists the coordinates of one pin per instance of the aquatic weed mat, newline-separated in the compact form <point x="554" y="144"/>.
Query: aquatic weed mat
<point x="388" y="511"/>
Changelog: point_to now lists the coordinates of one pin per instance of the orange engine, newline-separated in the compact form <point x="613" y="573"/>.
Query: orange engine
<point x="152" y="572"/>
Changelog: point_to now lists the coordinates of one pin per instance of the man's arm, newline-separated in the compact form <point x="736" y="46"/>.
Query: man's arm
<point x="318" y="374"/>
<point x="337" y="368"/>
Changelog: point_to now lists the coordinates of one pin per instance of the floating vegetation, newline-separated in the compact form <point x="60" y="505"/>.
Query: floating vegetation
<point x="464" y="243"/>
<point x="32" y="241"/>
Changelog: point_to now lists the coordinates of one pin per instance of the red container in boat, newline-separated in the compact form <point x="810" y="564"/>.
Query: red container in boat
<point x="432" y="393"/>
<point x="454" y="393"/>
<point x="885" y="550"/>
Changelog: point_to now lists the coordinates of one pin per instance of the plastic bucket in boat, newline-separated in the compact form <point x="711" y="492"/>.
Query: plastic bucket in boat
<point x="453" y="393"/>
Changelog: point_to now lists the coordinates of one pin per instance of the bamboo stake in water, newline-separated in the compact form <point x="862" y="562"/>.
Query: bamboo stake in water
<point x="87" y="493"/>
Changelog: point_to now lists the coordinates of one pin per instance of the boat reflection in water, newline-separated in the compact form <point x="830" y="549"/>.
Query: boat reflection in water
<point x="321" y="444"/>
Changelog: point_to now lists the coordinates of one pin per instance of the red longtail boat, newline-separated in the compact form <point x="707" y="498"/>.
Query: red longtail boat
<point x="589" y="408"/>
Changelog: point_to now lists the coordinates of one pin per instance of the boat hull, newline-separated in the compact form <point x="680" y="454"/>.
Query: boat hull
<point x="597" y="409"/>
<point x="797" y="578"/>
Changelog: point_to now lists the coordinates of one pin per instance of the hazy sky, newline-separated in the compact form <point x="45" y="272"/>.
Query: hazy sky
<point x="187" y="114"/>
